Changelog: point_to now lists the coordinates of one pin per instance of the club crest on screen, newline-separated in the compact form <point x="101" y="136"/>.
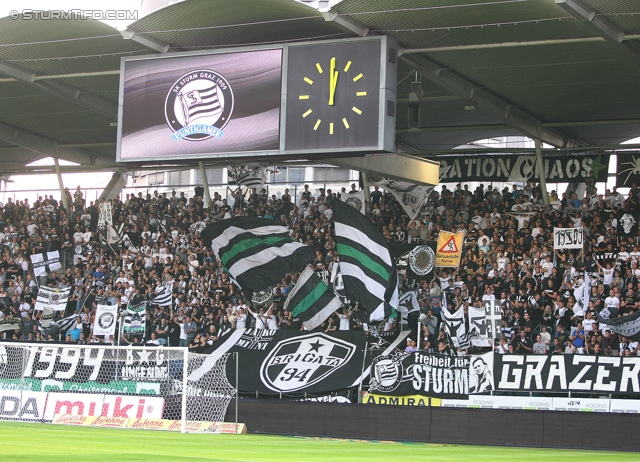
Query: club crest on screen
<point x="199" y="105"/>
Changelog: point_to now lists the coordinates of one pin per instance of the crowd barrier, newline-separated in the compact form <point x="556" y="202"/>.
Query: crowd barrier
<point x="504" y="427"/>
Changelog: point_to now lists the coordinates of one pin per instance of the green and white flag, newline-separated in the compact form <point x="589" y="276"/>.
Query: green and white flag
<point x="368" y="272"/>
<point x="135" y="320"/>
<point x="311" y="300"/>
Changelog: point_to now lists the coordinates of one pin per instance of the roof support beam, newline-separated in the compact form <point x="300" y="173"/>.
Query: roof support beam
<point x="488" y="102"/>
<point x="87" y="100"/>
<point x="46" y="146"/>
<point x="36" y="78"/>
<point x="602" y="26"/>
<point x="347" y="24"/>
<point x="154" y="45"/>
<point x="488" y="46"/>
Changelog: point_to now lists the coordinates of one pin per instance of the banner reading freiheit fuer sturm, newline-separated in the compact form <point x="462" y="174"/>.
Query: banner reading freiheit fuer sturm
<point x="500" y="168"/>
<point x="420" y="373"/>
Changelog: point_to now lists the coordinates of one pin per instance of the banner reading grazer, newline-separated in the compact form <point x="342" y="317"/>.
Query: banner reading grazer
<point x="568" y="238"/>
<point x="293" y="362"/>
<point x="449" y="249"/>
<point x="601" y="374"/>
<point x="420" y="373"/>
<point x="487" y="169"/>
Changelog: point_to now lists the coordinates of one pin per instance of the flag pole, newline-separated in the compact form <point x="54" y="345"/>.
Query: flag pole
<point x="419" y="332"/>
<point x="364" y="361"/>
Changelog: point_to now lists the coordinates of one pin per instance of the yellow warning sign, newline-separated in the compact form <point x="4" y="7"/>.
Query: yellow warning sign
<point x="449" y="249"/>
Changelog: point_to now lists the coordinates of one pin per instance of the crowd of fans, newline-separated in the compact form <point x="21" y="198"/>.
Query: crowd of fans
<point x="508" y="255"/>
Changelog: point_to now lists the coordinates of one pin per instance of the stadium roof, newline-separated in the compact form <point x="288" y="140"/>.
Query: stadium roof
<point x="566" y="71"/>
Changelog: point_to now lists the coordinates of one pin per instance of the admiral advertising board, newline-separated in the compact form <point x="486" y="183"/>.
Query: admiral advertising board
<point x="313" y="97"/>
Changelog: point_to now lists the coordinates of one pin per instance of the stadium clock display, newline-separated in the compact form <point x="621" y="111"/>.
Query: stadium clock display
<point x="333" y="94"/>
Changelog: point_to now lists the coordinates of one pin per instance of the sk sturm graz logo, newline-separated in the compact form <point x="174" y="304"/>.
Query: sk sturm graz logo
<point x="386" y="373"/>
<point x="354" y="202"/>
<point x="421" y="260"/>
<point x="303" y="361"/>
<point x="199" y="105"/>
<point x="54" y="297"/>
<point x="106" y="320"/>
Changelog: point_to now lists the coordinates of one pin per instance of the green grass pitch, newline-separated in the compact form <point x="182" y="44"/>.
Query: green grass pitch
<point x="25" y="442"/>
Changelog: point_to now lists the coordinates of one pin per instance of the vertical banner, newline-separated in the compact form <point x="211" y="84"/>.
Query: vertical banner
<point x="628" y="171"/>
<point x="105" y="320"/>
<point x="355" y="200"/>
<point x="478" y="332"/>
<point x="135" y="322"/>
<point x="481" y="373"/>
<point x="568" y="238"/>
<point x="493" y="315"/>
<point x="449" y="249"/>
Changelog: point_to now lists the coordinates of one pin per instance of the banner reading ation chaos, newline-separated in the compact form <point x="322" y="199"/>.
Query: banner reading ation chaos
<point x="420" y="373"/>
<point x="566" y="169"/>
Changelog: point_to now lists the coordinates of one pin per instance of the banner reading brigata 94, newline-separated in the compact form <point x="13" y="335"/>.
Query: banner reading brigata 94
<point x="200" y="105"/>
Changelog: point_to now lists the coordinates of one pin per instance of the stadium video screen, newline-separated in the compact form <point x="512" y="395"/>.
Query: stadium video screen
<point x="204" y="105"/>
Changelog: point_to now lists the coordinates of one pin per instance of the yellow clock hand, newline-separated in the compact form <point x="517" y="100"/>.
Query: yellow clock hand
<point x="333" y="81"/>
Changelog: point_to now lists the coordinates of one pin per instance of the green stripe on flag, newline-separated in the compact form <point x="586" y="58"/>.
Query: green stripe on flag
<point x="364" y="259"/>
<point x="247" y="244"/>
<point x="311" y="298"/>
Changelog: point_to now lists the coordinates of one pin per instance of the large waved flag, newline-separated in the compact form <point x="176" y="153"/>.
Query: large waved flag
<point x="164" y="296"/>
<point x="311" y="300"/>
<point x="55" y="299"/>
<point x="256" y="252"/>
<point x="45" y="262"/>
<point x="368" y="272"/>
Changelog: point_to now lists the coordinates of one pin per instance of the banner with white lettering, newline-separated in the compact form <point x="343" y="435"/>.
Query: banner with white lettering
<point x="562" y="373"/>
<point x="420" y="373"/>
<point x="568" y="238"/>
<point x="521" y="169"/>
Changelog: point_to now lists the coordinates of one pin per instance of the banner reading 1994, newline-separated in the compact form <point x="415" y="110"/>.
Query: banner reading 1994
<point x="568" y="238"/>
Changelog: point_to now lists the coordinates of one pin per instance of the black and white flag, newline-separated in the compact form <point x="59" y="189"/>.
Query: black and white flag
<point x="246" y="175"/>
<point x="55" y="299"/>
<point x="455" y="325"/>
<point x="256" y="252"/>
<point x="408" y="303"/>
<point x="411" y="196"/>
<point x="478" y="329"/>
<point x="355" y="200"/>
<point x="66" y="323"/>
<point x="628" y="326"/>
<point x="164" y="295"/>
<point x="627" y="223"/>
<point x="45" y="262"/>
<point x="105" y="320"/>
<point x="368" y="272"/>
